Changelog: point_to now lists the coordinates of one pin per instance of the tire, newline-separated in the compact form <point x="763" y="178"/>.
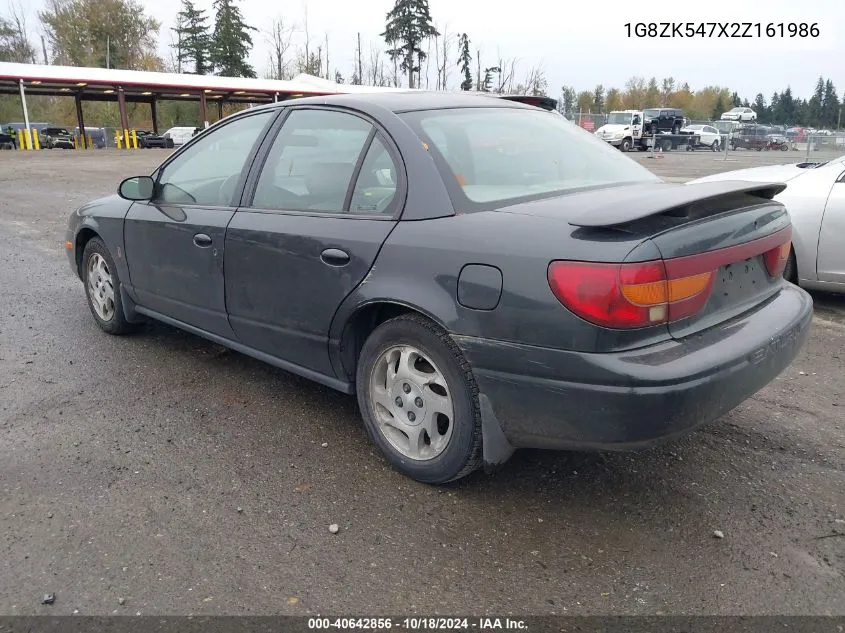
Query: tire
<point x="625" y="146"/>
<point x="676" y="129"/>
<point x="113" y="320"/>
<point x="667" y="145"/>
<point x="455" y="451"/>
<point x="715" y="146"/>
<point x="790" y="271"/>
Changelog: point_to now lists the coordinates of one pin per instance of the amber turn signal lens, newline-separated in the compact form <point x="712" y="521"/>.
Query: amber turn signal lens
<point x="671" y="291"/>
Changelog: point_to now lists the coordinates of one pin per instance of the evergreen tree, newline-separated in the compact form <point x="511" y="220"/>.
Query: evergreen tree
<point x="830" y="105"/>
<point x="598" y="99"/>
<point x="231" y="42"/>
<point x="815" y="105"/>
<point x="465" y="61"/>
<point x="720" y="107"/>
<point x="194" y="40"/>
<point x="652" y="94"/>
<point x="409" y="24"/>
<point x="735" y="100"/>
<point x="760" y="108"/>
<point x="567" y="99"/>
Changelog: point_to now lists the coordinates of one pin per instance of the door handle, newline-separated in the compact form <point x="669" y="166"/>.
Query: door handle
<point x="335" y="257"/>
<point x="202" y="240"/>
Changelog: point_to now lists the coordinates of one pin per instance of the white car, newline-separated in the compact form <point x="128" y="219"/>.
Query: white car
<point x="815" y="199"/>
<point x="739" y="114"/>
<point x="180" y="135"/>
<point x="708" y="135"/>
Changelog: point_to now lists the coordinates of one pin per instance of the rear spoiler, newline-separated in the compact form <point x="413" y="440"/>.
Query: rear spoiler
<point x="614" y="206"/>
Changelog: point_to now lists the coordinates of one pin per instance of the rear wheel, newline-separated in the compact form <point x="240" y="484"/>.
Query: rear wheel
<point x="667" y="145"/>
<point x="419" y="400"/>
<point x="102" y="287"/>
<point x="715" y="146"/>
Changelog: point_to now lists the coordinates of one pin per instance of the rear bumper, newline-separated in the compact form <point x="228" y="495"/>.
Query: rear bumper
<point x="546" y="398"/>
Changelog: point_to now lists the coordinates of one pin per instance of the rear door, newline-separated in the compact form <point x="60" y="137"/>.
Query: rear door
<point x="315" y="216"/>
<point x="831" y="261"/>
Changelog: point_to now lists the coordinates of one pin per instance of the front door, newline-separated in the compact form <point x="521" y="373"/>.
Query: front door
<point x="831" y="261"/>
<point x="174" y="243"/>
<point x="325" y="201"/>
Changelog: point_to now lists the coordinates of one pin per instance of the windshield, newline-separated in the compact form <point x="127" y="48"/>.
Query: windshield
<point x="619" y="118"/>
<point x="694" y="127"/>
<point x="491" y="156"/>
<point x="651" y="114"/>
<point x="736" y="110"/>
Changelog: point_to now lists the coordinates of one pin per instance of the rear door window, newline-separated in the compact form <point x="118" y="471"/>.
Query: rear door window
<point x="312" y="162"/>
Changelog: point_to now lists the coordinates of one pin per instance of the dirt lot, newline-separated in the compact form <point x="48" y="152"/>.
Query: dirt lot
<point x="181" y="478"/>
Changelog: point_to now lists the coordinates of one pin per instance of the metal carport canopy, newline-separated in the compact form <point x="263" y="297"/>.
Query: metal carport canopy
<point x="133" y="86"/>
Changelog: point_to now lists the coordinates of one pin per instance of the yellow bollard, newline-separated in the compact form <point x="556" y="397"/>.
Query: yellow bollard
<point x="36" y="142"/>
<point x="28" y="136"/>
<point x="126" y="138"/>
<point x="21" y="141"/>
<point x="117" y="140"/>
<point x="89" y="144"/>
<point x="134" y="139"/>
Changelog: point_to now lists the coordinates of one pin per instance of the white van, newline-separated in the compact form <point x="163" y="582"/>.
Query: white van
<point x="180" y="135"/>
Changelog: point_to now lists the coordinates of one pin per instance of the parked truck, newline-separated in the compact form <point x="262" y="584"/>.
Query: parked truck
<point x="627" y="129"/>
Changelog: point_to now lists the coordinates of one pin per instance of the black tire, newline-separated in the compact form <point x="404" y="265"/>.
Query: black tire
<point x="790" y="271"/>
<point x="625" y="146"/>
<point x="666" y="145"/>
<point x="462" y="455"/>
<point x="676" y="129"/>
<point x="715" y="146"/>
<point x="117" y="324"/>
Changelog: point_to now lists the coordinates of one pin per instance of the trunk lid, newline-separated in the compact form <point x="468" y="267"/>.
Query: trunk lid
<point x="723" y="228"/>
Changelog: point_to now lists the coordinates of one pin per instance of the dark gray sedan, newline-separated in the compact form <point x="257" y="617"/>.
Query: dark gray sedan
<point x="484" y="275"/>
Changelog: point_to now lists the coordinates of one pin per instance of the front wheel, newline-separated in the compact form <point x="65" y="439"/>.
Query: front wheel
<point x="419" y="400"/>
<point x="625" y="146"/>
<point x="715" y="146"/>
<point x="102" y="288"/>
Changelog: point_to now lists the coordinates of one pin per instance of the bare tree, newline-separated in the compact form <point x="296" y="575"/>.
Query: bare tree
<point x="444" y="68"/>
<point x="279" y="37"/>
<point x="328" y="70"/>
<point x="360" y="65"/>
<point x="507" y="71"/>
<point x="18" y="19"/>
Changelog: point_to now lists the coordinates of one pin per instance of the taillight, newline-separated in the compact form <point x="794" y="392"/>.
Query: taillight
<point x="776" y="259"/>
<point x="628" y="296"/>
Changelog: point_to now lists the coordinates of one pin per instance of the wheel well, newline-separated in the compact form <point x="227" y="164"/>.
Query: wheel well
<point x="360" y="325"/>
<point x="82" y="238"/>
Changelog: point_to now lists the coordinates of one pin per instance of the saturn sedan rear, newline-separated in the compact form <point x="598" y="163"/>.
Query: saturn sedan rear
<point x="482" y="274"/>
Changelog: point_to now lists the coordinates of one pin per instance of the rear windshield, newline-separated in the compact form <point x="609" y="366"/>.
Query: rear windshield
<point x="489" y="157"/>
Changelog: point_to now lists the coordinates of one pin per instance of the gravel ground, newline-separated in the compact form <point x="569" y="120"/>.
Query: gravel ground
<point x="161" y="474"/>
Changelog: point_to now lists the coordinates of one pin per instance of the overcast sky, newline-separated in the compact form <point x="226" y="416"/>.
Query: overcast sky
<point x="581" y="43"/>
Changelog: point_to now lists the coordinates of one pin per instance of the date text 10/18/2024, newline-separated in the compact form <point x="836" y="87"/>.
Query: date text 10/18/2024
<point x="418" y="624"/>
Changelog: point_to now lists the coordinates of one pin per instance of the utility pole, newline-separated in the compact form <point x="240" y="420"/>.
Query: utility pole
<point x="108" y="51"/>
<point x="44" y="49"/>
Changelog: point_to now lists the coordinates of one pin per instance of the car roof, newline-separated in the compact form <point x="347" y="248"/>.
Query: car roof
<point x="410" y="101"/>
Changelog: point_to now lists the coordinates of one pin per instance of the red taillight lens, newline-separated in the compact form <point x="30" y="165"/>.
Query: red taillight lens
<point x="776" y="259"/>
<point x="627" y="296"/>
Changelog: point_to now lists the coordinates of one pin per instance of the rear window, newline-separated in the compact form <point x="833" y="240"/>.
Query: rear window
<point x="489" y="157"/>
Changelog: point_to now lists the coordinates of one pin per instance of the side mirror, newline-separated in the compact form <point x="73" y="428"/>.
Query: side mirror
<point x="137" y="188"/>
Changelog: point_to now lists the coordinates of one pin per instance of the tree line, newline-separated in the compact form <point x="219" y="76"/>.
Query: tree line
<point x="822" y="110"/>
<point x="413" y="50"/>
